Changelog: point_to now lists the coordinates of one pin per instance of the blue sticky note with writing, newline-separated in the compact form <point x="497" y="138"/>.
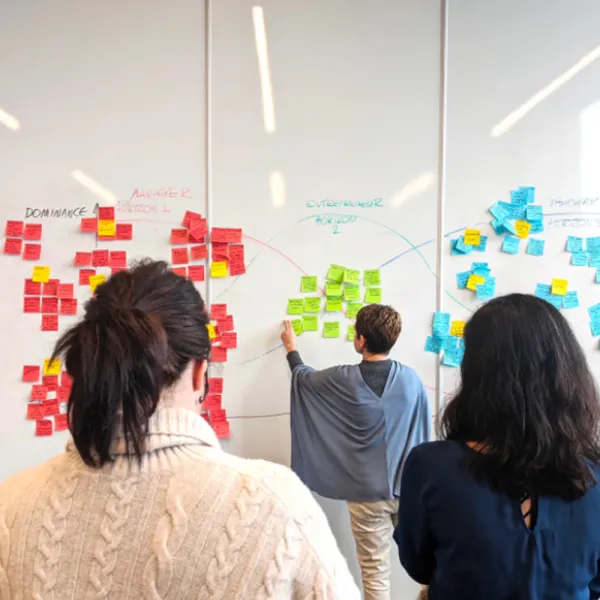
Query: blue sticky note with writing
<point x="574" y="244"/>
<point x="462" y="247"/>
<point x="450" y="343"/>
<point x="518" y="196"/>
<point x="515" y="211"/>
<point x="487" y="290"/>
<point x="571" y="300"/>
<point x="498" y="212"/>
<point x="593" y="244"/>
<point x="482" y="271"/>
<point x="580" y="259"/>
<point x="595" y="327"/>
<point x="462" y="278"/>
<point x="595" y="259"/>
<point x="530" y="190"/>
<point x="536" y="247"/>
<point x="511" y="244"/>
<point x="537" y="227"/>
<point x="534" y="213"/>
<point x="441" y="325"/>
<point x="433" y="345"/>
<point x="543" y="290"/>
<point x="451" y="358"/>
<point x="483" y="240"/>
<point x="594" y="312"/>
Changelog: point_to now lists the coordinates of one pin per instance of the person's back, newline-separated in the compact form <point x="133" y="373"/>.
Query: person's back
<point x="144" y="504"/>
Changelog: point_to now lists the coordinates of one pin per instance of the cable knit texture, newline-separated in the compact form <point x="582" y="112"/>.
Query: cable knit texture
<point x="189" y="523"/>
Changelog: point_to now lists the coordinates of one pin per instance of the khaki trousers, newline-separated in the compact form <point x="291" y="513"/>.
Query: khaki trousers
<point x="372" y="527"/>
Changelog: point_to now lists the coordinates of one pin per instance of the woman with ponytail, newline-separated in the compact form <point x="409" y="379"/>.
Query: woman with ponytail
<point x="143" y="503"/>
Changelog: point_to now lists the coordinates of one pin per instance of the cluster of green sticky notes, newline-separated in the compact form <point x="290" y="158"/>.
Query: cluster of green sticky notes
<point x="295" y="306"/>
<point x="352" y="309"/>
<point x="309" y="284"/>
<point x="351" y="333"/>
<point x="373" y="295"/>
<point x="297" y="326"/>
<point x="331" y="329"/>
<point x="351" y="293"/>
<point x="372" y="278"/>
<point x="310" y="323"/>
<point x="333" y="305"/>
<point x="312" y="305"/>
<point x="336" y="273"/>
<point x="333" y="290"/>
<point x="351" y="276"/>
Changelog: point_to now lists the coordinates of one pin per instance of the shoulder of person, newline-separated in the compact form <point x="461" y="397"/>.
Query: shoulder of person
<point x="434" y="454"/>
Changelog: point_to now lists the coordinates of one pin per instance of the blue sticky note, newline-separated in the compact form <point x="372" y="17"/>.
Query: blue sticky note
<point x="487" y="290"/>
<point x="593" y="244"/>
<point x="530" y="190"/>
<point x="556" y="301"/>
<point x="511" y="244"/>
<point x="510" y="227"/>
<point x="580" y="259"/>
<point x="498" y="212"/>
<point x="536" y="247"/>
<point x="543" y="290"/>
<point x="479" y="265"/>
<point x="594" y="312"/>
<point x="462" y="278"/>
<point x="595" y="259"/>
<point x="482" y="272"/>
<point x="451" y="358"/>
<point x="518" y="196"/>
<point x="462" y="247"/>
<point x="498" y="226"/>
<point x="537" y="227"/>
<point x="441" y="325"/>
<point x="595" y="327"/>
<point x="571" y="300"/>
<point x="450" y="343"/>
<point x="597" y="275"/>
<point x="433" y="345"/>
<point x="483" y="240"/>
<point x="534" y="213"/>
<point x="515" y="211"/>
<point x="574" y="244"/>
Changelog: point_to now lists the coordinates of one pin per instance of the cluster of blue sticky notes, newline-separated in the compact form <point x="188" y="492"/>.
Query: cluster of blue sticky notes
<point x="441" y="325"/>
<point x="580" y="259"/>
<point x="498" y="212"/>
<point x="595" y="327"/>
<point x="536" y="247"/>
<point x="462" y="278"/>
<point x="534" y="213"/>
<point x="571" y="300"/>
<point x="543" y="290"/>
<point x="510" y="245"/>
<point x="593" y="244"/>
<point x="574" y="244"/>
<point x="556" y="301"/>
<point x="486" y="290"/>
<point x="595" y="259"/>
<point x="433" y="345"/>
<point x="537" y="227"/>
<point x="483" y="240"/>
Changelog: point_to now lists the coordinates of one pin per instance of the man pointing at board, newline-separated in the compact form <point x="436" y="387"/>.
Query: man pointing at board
<point x="352" y="428"/>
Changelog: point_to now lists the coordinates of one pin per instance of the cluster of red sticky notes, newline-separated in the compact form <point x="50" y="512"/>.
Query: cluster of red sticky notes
<point x="105" y="226"/>
<point x="16" y="231"/>
<point x="196" y="272"/>
<point x="226" y="246"/>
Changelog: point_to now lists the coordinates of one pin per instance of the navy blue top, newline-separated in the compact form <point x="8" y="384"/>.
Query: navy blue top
<point x="468" y="542"/>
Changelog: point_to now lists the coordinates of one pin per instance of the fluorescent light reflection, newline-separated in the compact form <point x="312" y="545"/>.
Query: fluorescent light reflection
<point x="266" y="87"/>
<point x="93" y="186"/>
<point x="417" y="186"/>
<point x="277" y="185"/>
<point x="9" y="121"/>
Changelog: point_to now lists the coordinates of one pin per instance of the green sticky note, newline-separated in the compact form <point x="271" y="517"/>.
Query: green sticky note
<point x="373" y="295"/>
<point x="352" y="309"/>
<point x="351" y="292"/>
<point x="295" y="306"/>
<point x="309" y="284"/>
<point x="310" y="323"/>
<point x="351" y="276"/>
<point x="312" y="305"/>
<point x="336" y="273"/>
<point x="351" y="333"/>
<point x="331" y="329"/>
<point x="333" y="305"/>
<point x="372" y="277"/>
<point x="333" y="290"/>
<point x="297" y="326"/>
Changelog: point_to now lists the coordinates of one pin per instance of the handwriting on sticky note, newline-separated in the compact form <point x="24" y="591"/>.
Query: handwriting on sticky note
<point x="229" y="340"/>
<point x="331" y="329"/>
<point x="373" y="295"/>
<point x="100" y="258"/>
<point x="199" y="252"/>
<point x="457" y="328"/>
<point x="472" y="237"/>
<point x="310" y="323"/>
<point x="333" y="290"/>
<point x="107" y="229"/>
<point x="41" y="274"/>
<point x="351" y="333"/>
<point x="433" y="344"/>
<point x="68" y="306"/>
<point x="215" y="385"/>
<point x="333" y="305"/>
<point x="218" y="354"/>
<point x="218" y="269"/>
<point x="179" y="236"/>
<point x="32" y="304"/>
<point x="351" y="276"/>
<point x="308" y="284"/>
<point x="196" y="273"/>
<point x="312" y="305"/>
<point x="580" y="259"/>
<point x="295" y="306"/>
<point x="179" y="256"/>
<point x="559" y="287"/>
<point x="372" y="277"/>
<point x="523" y="228"/>
<point x="82" y="259"/>
<point x="38" y="393"/>
<point x="335" y="273"/>
<point x="536" y="247"/>
<point x="124" y="231"/>
<point x="43" y="428"/>
<point x="117" y="259"/>
<point x="89" y="226"/>
<point x="31" y="373"/>
<point x="351" y="293"/>
<point x="50" y="288"/>
<point x="511" y="244"/>
<point x="33" y="232"/>
<point x="14" y="228"/>
<point x="352" y="309"/>
<point x="84" y="276"/>
<point x="180" y="271"/>
<point x="297" y="326"/>
<point x="49" y="322"/>
<point x="61" y="422"/>
<point x="96" y="280"/>
<point x="35" y="412"/>
<point x="13" y="246"/>
<point x="32" y="288"/>
<point x="218" y="311"/>
<point x="32" y="252"/>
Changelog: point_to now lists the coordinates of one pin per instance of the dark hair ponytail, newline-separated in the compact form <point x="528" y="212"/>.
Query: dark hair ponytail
<point x="137" y="337"/>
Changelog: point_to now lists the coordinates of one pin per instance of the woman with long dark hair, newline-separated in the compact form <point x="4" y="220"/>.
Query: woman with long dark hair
<point x="144" y="504"/>
<point x="508" y="506"/>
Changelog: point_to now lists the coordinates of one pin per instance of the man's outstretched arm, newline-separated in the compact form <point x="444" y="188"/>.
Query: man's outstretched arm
<point x="288" y="337"/>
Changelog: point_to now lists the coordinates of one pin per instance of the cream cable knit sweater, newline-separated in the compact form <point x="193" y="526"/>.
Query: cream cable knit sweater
<point x="190" y="523"/>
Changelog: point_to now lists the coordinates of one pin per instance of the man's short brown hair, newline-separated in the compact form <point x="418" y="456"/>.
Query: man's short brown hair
<point x="380" y="326"/>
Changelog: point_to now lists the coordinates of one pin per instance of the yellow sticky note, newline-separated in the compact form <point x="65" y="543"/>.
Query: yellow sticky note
<point x="333" y="289"/>
<point x="331" y="329"/>
<point x="96" y="280"/>
<point x="41" y="274"/>
<point x="472" y="237"/>
<point x="457" y="328"/>
<point x="218" y="269"/>
<point x="310" y="323"/>
<point x="523" y="228"/>
<point x="351" y="333"/>
<point x="559" y="287"/>
<point x="333" y="305"/>
<point x="351" y="276"/>
<point x="351" y="293"/>
<point x="352" y="309"/>
<point x="52" y="368"/>
<point x="297" y="326"/>
<point x="336" y="273"/>
<point x="312" y="305"/>
<point x="107" y="228"/>
<point x="212" y="332"/>
<point x="373" y="295"/>
<point x="295" y="306"/>
<point x="474" y="281"/>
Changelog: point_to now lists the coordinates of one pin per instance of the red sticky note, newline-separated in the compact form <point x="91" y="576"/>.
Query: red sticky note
<point x="228" y="339"/>
<point x="221" y="429"/>
<point x="199" y="252"/>
<point x="215" y="385"/>
<point x="13" y="245"/>
<point x="68" y="306"/>
<point x="226" y="235"/>
<point x="32" y="304"/>
<point x="50" y="305"/>
<point x="43" y="428"/>
<point x="32" y="288"/>
<point x="100" y="258"/>
<point x="219" y="251"/>
<point x="89" y="225"/>
<point x="50" y="288"/>
<point x="49" y="322"/>
<point x="226" y="324"/>
<point x="51" y="382"/>
<point x="51" y="408"/>
<point x="32" y="251"/>
<point x="118" y="259"/>
<point x="181" y="271"/>
<point x="189" y="217"/>
<point x="106" y="213"/>
<point x="31" y="373"/>
<point x="179" y="256"/>
<point x="236" y="252"/>
<point x="212" y="402"/>
<point x="196" y="272"/>
<point x="82" y="259"/>
<point x="66" y="380"/>
<point x="218" y="415"/>
<point x="84" y="276"/>
<point x="115" y="270"/>
<point x="218" y="354"/>
<point x="63" y="393"/>
<point x="179" y="236"/>
<point x="236" y="268"/>
<point x="38" y="392"/>
<point x="14" y="228"/>
<point x="218" y="311"/>
<point x="35" y="412"/>
<point x="33" y="232"/>
<point x="124" y="231"/>
<point x="61" y="422"/>
<point x="65" y="290"/>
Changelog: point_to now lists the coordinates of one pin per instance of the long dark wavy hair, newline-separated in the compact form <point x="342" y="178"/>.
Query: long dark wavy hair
<point x="527" y="396"/>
